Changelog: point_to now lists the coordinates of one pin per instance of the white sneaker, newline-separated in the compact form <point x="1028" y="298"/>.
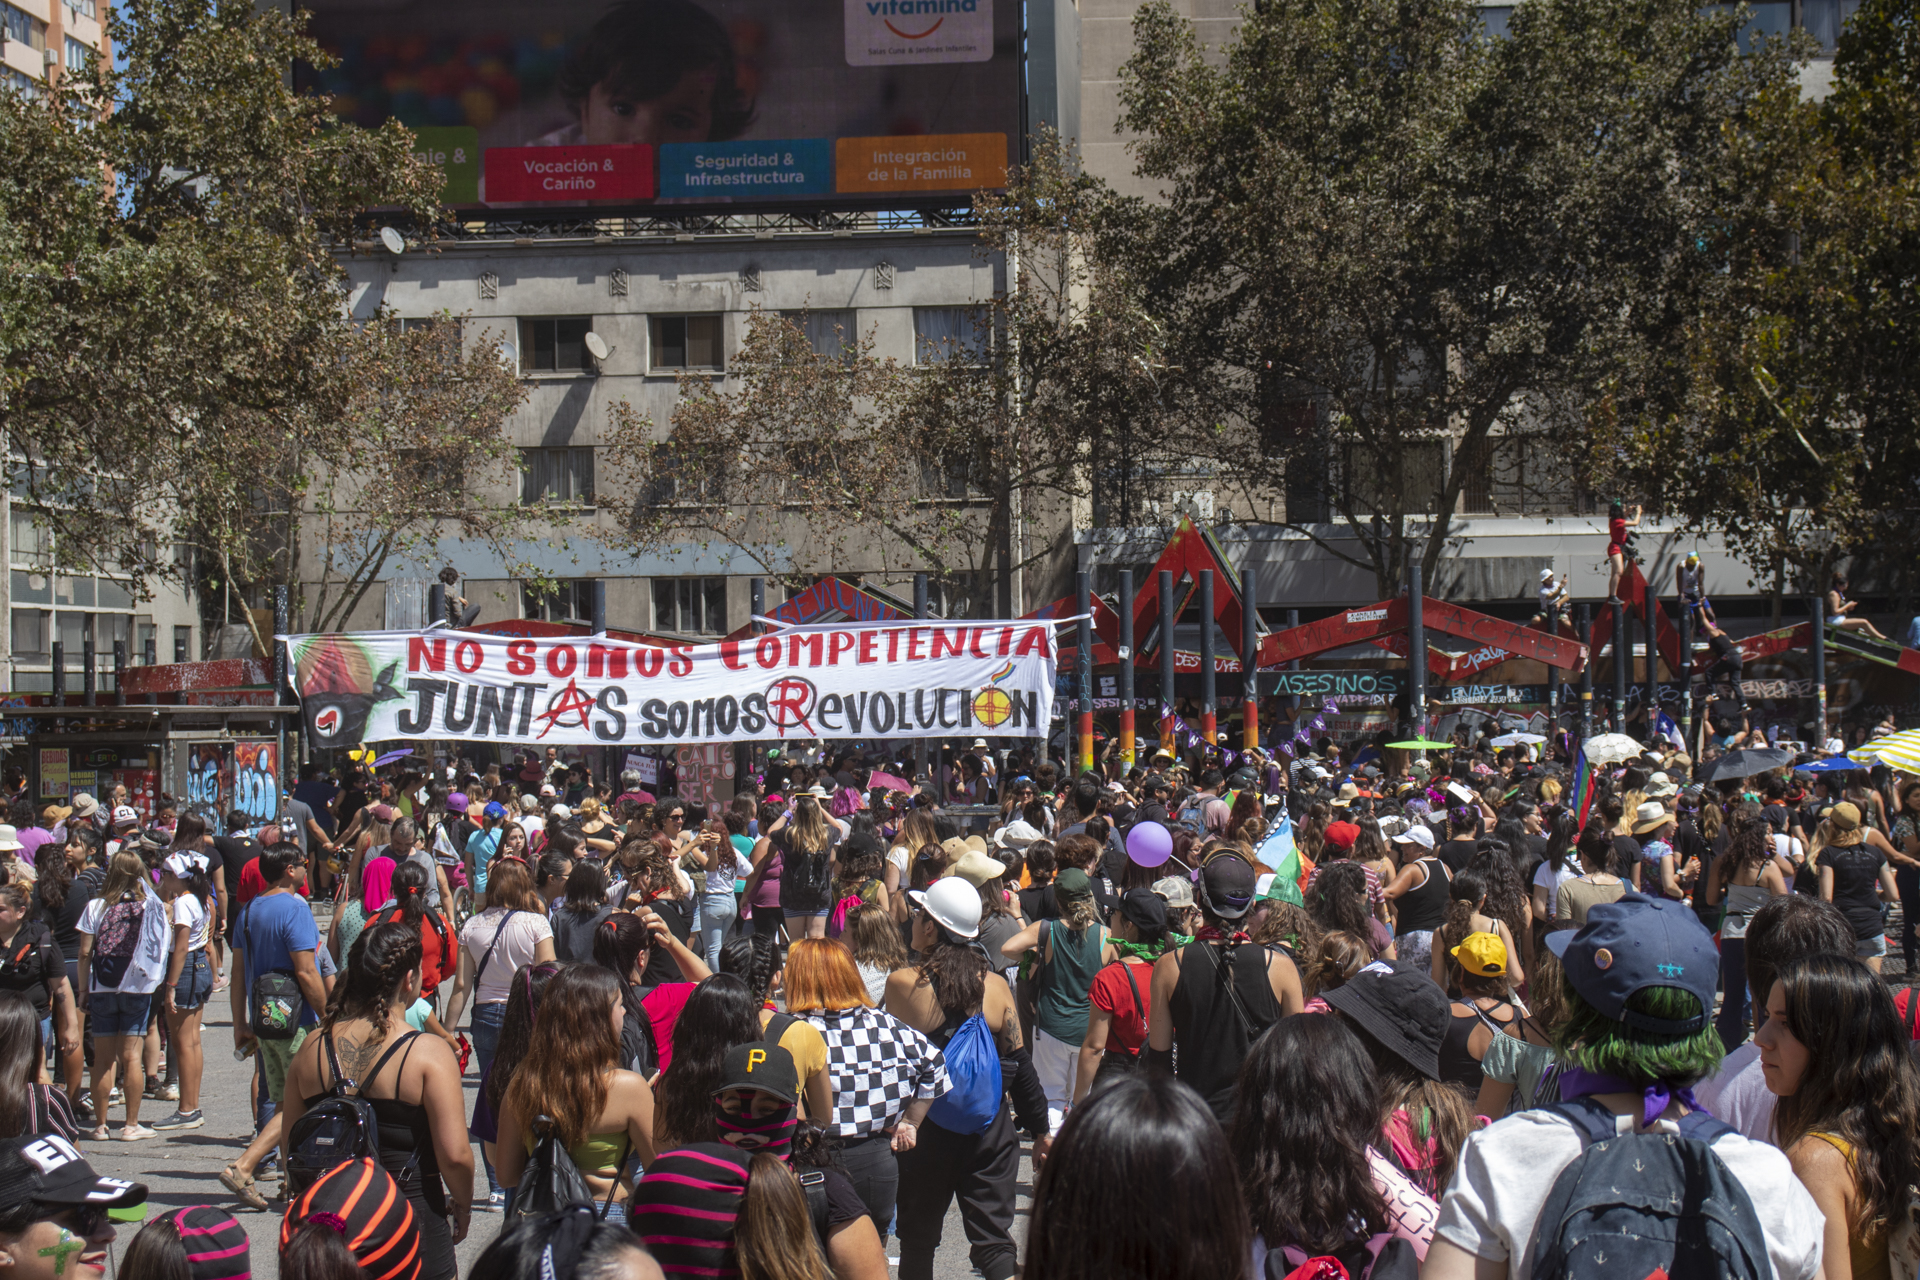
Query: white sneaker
<point x="134" y="1133"/>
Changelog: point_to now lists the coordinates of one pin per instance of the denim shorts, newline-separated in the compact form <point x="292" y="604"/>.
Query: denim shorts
<point x="1866" y="948"/>
<point x="195" y="984"/>
<point x="117" y="1013"/>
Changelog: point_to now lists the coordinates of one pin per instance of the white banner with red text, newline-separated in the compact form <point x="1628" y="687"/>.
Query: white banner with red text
<point x="903" y="679"/>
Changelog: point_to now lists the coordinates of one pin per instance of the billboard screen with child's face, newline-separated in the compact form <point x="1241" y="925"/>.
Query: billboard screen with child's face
<point x="629" y="102"/>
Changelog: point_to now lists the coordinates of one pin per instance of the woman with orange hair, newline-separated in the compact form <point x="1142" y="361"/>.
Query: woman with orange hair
<point x="884" y="1073"/>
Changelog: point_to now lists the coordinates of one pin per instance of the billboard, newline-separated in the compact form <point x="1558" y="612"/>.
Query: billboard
<point x="710" y="102"/>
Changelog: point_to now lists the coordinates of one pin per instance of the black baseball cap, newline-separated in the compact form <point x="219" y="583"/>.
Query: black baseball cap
<point x="47" y="1169"/>
<point x="1401" y="1007"/>
<point x="1227" y="885"/>
<point x="1635" y="943"/>
<point x="1146" y="910"/>
<point x="762" y="1065"/>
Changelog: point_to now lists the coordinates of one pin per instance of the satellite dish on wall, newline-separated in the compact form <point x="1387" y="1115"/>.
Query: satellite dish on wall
<point x="597" y="346"/>
<point x="509" y="355"/>
<point x="395" y="242"/>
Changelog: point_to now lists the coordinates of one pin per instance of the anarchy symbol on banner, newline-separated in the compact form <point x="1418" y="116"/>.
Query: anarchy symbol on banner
<point x="789" y="703"/>
<point x="570" y="701"/>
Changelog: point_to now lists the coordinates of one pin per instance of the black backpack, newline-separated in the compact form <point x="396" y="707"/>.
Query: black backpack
<point x="552" y="1182"/>
<point x="340" y="1127"/>
<point x="1642" y="1204"/>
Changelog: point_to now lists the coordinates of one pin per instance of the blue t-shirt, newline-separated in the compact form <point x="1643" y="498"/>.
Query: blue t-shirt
<point x="271" y="929"/>
<point x="480" y="849"/>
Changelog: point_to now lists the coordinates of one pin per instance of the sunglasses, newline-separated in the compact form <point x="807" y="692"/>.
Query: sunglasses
<point x="81" y="1219"/>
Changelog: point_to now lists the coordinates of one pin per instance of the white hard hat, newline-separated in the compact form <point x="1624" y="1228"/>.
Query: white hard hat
<point x="954" y="905"/>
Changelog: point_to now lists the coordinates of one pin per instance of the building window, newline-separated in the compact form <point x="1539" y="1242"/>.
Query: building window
<point x="556" y="475"/>
<point x="568" y="600"/>
<point x="182" y="644"/>
<point x="1823" y="20"/>
<point x="84" y="8"/>
<point x="72" y="629"/>
<point x="686" y="342"/>
<point x="556" y="345"/>
<point x="30" y="633"/>
<point x="829" y="333"/>
<point x="690" y="606"/>
<point x="23" y="26"/>
<point x="28" y="542"/>
<point x="77" y="55"/>
<point x="147" y="638"/>
<point x="19" y="82"/>
<point x="943" y="335"/>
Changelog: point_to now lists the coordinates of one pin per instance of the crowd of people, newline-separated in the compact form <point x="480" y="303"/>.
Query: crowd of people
<point x="1248" y="1017"/>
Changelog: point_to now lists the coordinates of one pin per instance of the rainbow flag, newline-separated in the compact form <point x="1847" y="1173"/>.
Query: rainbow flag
<point x="1582" y="798"/>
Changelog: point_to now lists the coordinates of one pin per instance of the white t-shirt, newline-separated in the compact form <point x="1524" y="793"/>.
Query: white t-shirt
<point x="188" y="911"/>
<point x="1550" y="880"/>
<point x="132" y="984"/>
<point x="518" y="938"/>
<point x="1738" y="1094"/>
<point x="533" y="826"/>
<point x="1506" y="1171"/>
<point x="901" y="857"/>
<point x="721" y="879"/>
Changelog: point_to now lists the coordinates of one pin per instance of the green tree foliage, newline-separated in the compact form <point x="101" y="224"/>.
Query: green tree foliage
<point x="1389" y="238"/>
<point x="177" y="361"/>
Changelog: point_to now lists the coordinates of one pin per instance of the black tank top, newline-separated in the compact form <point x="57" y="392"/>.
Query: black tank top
<point x="1213" y="1024"/>
<point x="406" y="1138"/>
<point x="1457" y="1063"/>
<point x="1425" y="908"/>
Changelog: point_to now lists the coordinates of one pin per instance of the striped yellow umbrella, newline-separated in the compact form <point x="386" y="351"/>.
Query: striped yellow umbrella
<point x="1897" y="750"/>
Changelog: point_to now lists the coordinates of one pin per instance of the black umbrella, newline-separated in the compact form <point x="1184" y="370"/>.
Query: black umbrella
<point x="1744" y="764"/>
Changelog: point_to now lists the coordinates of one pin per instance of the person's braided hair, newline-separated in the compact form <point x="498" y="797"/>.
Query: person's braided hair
<point x="755" y="959"/>
<point x="377" y="967"/>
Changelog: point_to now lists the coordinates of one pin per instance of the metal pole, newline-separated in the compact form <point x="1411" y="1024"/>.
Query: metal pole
<point x="920" y="745"/>
<point x="1249" y="659"/>
<point x="1166" y="662"/>
<point x="597" y="602"/>
<point x="1686" y="673"/>
<point x="749" y="758"/>
<point x="59" y="674"/>
<point x="1651" y="601"/>
<point x="1127" y="738"/>
<point x="179" y="696"/>
<point x="1583" y="632"/>
<point x="1818" y="629"/>
<point x="1208" y="708"/>
<point x="1416" y="652"/>
<point x="119" y="673"/>
<point x="1622" y="662"/>
<point x="1553" y="675"/>
<point x="88" y="676"/>
<point x="148" y="657"/>
<point x="1293" y="620"/>
<point x="1083" y="671"/>
<point x="757" y="601"/>
<point x="282" y="686"/>
<point x="436" y="603"/>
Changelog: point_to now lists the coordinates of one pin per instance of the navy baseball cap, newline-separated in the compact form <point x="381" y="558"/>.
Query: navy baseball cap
<point x="1635" y="943"/>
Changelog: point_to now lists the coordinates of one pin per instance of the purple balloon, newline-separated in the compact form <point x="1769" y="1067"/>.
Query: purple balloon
<point x="1149" y="844"/>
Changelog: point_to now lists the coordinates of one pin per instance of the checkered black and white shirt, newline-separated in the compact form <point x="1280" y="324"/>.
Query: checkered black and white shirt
<point x="878" y="1064"/>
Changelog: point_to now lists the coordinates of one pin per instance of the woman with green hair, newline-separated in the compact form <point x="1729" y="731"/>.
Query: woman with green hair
<point x="1638" y="981"/>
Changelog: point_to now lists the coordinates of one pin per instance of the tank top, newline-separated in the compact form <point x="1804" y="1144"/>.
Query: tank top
<point x="1868" y="1257"/>
<point x="1742" y="901"/>
<point x="1457" y="1063"/>
<point x="1214" y="1023"/>
<point x="1062" y="1007"/>
<point x="406" y="1137"/>
<point x="1425" y="908"/>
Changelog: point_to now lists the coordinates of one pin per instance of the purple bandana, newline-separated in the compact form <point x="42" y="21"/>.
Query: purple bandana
<point x="1655" y="1097"/>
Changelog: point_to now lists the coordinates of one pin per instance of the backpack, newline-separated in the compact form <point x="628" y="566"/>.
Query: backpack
<point x="1644" y="1204"/>
<point x="340" y="1127"/>
<point x="973" y="1067"/>
<point x="552" y="1182"/>
<point x="119" y="938"/>
<point x="275" y="1001"/>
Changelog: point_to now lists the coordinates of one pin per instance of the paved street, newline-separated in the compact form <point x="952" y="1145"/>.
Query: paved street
<point x="184" y="1168"/>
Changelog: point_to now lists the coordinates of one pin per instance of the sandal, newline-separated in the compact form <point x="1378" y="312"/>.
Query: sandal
<point x="241" y="1184"/>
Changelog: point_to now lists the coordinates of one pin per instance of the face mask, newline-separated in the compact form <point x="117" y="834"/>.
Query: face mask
<point x="771" y="1133"/>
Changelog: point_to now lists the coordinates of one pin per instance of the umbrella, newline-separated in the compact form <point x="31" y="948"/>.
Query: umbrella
<point x="1519" y="739"/>
<point x="391" y="756"/>
<point x="1610" y="748"/>
<point x="1832" y="764"/>
<point x="1897" y="750"/>
<point x="891" y="782"/>
<point x="1744" y="764"/>
<point x="1421" y="744"/>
